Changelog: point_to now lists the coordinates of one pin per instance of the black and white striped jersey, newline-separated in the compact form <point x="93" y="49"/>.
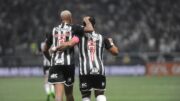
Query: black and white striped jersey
<point x="91" y="46"/>
<point x="61" y="34"/>
<point x="46" y="62"/>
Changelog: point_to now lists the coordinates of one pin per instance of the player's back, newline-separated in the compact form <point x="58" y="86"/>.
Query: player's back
<point x="91" y="54"/>
<point x="61" y="34"/>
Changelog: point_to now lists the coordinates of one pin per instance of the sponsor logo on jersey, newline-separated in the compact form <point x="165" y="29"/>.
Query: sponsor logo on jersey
<point x="94" y="71"/>
<point x="53" y="76"/>
<point x="84" y="85"/>
<point x="63" y="29"/>
<point x="93" y="36"/>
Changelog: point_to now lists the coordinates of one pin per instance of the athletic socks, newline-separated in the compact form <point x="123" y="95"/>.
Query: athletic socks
<point x="49" y="89"/>
<point x="101" y="98"/>
<point x="86" y="99"/>
<point x="52" y="90"/>
<point x="98" y="98"/>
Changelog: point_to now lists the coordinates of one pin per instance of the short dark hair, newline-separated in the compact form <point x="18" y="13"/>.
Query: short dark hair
<point x="92" y="20"/>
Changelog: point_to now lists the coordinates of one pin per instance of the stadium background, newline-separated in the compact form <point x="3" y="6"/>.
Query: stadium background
<point x="146" y="31"/>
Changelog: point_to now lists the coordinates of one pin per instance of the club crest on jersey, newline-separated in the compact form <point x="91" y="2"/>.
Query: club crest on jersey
<point x="69" y="79"/>
<point x="103" y="84"/>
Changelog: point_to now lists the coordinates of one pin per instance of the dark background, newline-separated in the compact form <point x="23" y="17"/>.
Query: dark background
<point x="144" y="30"/>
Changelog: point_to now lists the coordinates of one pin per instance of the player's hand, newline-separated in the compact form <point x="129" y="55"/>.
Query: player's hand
<point x="86" y="19"/>
<point x="53" y="49"/>
<point x="111" y="41"/>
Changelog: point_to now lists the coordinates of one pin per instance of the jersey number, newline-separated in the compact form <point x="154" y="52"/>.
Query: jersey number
<point x="92" y="48"/>
<point x="61" y="38"/>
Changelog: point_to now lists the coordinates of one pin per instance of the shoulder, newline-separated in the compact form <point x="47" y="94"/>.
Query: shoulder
<point x="104" y="36"/>
<point x="100" y="36"/>
<point x="77" y="29"/>
<point x="77" y="26"/>
<point x="55" y="28"/>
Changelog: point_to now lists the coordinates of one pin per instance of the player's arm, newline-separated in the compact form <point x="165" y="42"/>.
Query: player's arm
<point x="67" y="44"/>
<point x="48" y="43"/>
<point x="77" y="32"/>
<point x="111" y="47"/>
<point x="88" y="26"/>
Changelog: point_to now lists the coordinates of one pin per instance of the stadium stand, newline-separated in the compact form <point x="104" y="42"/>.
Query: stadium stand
<point x="145" y="30"/>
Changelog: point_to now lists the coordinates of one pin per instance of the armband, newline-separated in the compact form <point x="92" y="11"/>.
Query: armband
<point x="75" y="39"/>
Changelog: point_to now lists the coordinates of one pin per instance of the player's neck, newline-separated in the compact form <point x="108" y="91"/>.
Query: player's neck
<point x="66" y="21"/>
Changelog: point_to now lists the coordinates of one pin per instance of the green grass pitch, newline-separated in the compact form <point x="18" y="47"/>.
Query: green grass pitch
<point x="122" y="88"/>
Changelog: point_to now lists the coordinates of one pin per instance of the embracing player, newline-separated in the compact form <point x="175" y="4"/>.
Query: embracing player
<point x="92" y="71"/>
<point x="61" y="73"/>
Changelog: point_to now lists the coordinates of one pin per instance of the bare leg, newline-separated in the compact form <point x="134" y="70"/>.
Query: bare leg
<point x="69" y="93"/>
<point x="98" y="92"/>
<point x="47" y="86"/>
<point x="59" y="91"/>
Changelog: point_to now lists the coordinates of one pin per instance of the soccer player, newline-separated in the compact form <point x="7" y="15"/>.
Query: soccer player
<point x="49" y="88"/>
<point x="61" y="73"/>
<point x="92" y="73"/>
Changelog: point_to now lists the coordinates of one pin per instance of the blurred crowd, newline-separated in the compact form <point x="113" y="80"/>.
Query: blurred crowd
<point x="137" y="26"/>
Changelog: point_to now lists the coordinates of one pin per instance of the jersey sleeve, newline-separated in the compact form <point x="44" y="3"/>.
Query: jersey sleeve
<point x="48" y="39"/>
<point x="77" y="30"/>
<point x="107" y="43"/>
